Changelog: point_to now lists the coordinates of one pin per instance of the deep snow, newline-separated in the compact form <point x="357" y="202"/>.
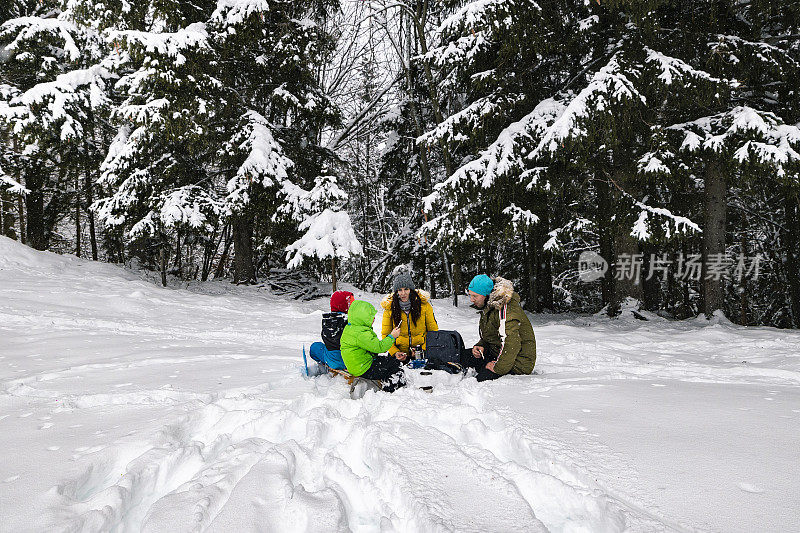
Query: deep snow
<point x="125" y="406"/>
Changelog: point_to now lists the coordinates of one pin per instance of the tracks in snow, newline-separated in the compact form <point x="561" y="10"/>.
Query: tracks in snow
<point x="323" y="462"/>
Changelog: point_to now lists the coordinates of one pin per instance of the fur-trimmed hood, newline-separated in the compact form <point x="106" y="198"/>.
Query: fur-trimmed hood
<point x="502" y="293"/>
<point x="424" y="297"/>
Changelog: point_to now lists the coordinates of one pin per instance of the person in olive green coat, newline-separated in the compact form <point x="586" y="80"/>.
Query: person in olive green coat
<point x="360" y="346"/>
<point x="507" y="344"/>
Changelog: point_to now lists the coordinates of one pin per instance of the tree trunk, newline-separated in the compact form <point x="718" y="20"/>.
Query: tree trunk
<point x="651" y="288"/>
<point x="34" y="205"/>
<point x="77" y="214"/>
<point x="209" y="251"/>
<point x="606" y="241"/>
<point x="243" y="267"/>
<point x="743" y="288"/>
<point x="713" y="235"/>
<point x="626" y="246"/>
<point x="456" y="279"/>
<point x="627" y="283"/>
<point x="528" y="253"/>
<point x="178" y="254"/>
<point x="224" y="257"/>
<point x="23" y="237"/>
<point x="543" y="272"/>
<point x="162" y="259"/>
<point x="792" y="239"/>
<point x="448" y="272"/>
<point x="89" y="201"/>
<point x="333" y="274"/>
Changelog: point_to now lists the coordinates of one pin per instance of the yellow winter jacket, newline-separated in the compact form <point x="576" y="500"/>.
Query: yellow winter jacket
<point x="416" y="332"/>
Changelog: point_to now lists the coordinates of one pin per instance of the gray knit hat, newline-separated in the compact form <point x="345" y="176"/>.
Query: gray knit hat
<point x="403" y="281"/>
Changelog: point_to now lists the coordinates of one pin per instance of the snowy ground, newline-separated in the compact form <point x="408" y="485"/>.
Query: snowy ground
<point x="128" y="407"/>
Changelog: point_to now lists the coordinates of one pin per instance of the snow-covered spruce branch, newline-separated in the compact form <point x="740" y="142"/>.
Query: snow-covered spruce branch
<point x="672" y="68"/>
<point x="504" y="154"/>
<point x="468" y="117"/>
<point x="754" y="136"/>
<point x="265" y="162"/>
<point x="607" y="87"/>
<point x="168" y="44"/>
<point x="38" y="29"/>
<point x="327" y="235"/>
<point x="11" y="185"/>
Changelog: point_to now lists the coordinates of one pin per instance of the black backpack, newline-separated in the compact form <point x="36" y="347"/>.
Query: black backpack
<point x="443" y="350"/>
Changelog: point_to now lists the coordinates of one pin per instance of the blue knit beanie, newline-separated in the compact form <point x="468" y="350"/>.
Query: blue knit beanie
<point x="481" y="284"/>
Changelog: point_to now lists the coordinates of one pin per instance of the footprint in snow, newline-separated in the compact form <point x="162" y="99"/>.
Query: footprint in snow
<point x="25" y="415"/>
<point x="572" y="421"/>
<point x="754" y="489"/>
<point x="53" y="448"/>
<point x="586" y="410"/>
<point x="46" y="426"/>
<point x="10" y="479"/>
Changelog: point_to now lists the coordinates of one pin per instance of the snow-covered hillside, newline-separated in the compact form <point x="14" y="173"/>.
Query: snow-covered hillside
<point x="128" y="407"/>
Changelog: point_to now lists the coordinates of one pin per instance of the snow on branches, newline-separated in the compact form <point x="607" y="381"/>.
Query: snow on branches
<point x="672" y="69"/>
<point x="474" y="23"/>
<point x="611" y="85"/>
<point x="503" y="156"/>
<point x="327" y="230"/>
<point x="61" y="103"/>
<point x="756" y="137"/>
<point x="188" y="206"/>
<point x="520" y="218"/>
<point x="11" y="185"/>
<point x="232" y="12"/>
<point x="264" y="161"/>
<point x="327" y="235"/>
<point x="170" y="44"/>
<point x="36" y="30"/>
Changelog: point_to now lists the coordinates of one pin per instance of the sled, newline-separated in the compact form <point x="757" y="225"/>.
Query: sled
<point x="358" y="385"/>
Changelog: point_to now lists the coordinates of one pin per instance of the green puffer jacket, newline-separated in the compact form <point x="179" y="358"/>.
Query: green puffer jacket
<point x="359" y="342"/>
<point x="518" y="355"/>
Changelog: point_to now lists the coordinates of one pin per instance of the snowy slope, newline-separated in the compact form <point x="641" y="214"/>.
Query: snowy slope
<point x="128" y="407"/>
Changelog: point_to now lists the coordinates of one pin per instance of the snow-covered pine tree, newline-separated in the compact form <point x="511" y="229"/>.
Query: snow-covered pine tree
<point x="53" y="86"/>
<point x="599" y="122"/>
<point x="499" y="67"/>
<point x="746" y="135"/>
<point x="270" y="53"/>
<point x="328" y="235"/>
<point x="221" y="104"/>
<point x="157" y="168"/>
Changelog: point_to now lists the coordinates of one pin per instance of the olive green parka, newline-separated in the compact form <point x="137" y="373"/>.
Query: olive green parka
<point x="517" y="351"/>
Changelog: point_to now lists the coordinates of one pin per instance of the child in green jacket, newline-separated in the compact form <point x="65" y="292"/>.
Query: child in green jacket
<point x="360" y="346"/>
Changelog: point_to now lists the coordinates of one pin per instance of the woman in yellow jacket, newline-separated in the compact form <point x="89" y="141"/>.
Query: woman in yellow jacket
<point x="412" y="311"/>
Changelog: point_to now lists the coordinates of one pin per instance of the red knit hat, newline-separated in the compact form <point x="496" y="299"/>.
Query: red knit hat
<point x="340" y="301"/>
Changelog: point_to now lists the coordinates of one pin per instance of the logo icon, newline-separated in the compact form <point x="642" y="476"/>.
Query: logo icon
<point x="591" y="266"/>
